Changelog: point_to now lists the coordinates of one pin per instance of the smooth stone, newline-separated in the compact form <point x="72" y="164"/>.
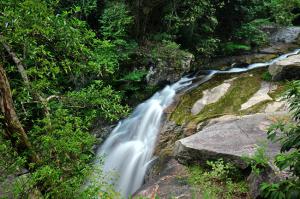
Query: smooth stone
<point x="210" y="96"/>
<point x="260" y="96"/>
<point x="230" y="138"/>
<point x="286" y="69"/>
<point x="276" y="106"/>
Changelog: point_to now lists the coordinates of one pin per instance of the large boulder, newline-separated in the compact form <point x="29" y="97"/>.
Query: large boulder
<point x="168" y="185"/>
<point x="266" y="175"/>
<point x="284" y="35"/>
<point x="230" y="138"/>
<point x="286" y="69"/>
<point x="169" y="70"/>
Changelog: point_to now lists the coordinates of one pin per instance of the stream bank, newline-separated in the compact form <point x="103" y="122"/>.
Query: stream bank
<point x="231" y="112"/>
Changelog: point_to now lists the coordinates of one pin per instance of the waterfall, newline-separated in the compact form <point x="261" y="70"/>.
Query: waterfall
<point x="129" y="148"/>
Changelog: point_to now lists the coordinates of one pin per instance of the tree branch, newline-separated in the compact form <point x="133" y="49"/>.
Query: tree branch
<point x="11" y="120"/>
<point x="24" y="76"/>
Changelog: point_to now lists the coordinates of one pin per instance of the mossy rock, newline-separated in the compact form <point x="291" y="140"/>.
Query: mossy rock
<point x="241" y="90"/>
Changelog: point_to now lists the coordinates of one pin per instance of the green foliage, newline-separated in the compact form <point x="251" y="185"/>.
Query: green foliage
<point x="10" y="162"/>
<point x="234" y="48"/>
<point x="97" y="101"/>
<point x="258" y="161"/>
<point x="136" y="75"/>
<point x="218" y="182"/>
<point x="71" y="69"/>
<point x="204" y="25"/>
<point x="64" y="146"/>
<point x="290" y="140"/>
<point x="162" y="36"/>
<point x="169" y="52"/>
<point x="251" y="34"/>
<point x="194" y="22"/>
<point x="115" y="24"/>
<point x="115" y="21"/>
<point x="56" y="47"/>
<point x="285" y="189"/>
<point x="282" y="10"/>
<point x="83" y="7"/>
<point x="266" y="76"/>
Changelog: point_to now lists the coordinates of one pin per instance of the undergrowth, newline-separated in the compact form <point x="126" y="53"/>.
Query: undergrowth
<point x="221" y="180"/>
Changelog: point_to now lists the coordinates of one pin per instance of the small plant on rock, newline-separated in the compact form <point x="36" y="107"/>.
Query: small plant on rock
<point x="220" y="181"/>
<point x="258" y="161"/>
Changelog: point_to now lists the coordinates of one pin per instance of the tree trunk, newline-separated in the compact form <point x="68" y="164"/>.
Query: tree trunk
<point x="36" y="95"/>
<point x="12" y="124"/>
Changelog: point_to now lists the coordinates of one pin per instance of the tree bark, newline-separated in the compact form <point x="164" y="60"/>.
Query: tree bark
<point x="25" y="78"/>
<point x="12" y="124"/>
<point x="18" y="62"/>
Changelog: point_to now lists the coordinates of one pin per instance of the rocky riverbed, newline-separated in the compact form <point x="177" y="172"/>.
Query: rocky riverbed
<point x="226" y="118"/>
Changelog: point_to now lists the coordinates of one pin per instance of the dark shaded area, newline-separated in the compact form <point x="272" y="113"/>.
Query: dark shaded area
<point x="296" y="21"/>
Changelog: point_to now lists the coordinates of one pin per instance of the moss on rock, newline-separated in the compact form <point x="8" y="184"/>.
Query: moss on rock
<point x="241" y="90"/>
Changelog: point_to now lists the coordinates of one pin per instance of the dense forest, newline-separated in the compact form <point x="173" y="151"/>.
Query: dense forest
<point x="66" y="64"/>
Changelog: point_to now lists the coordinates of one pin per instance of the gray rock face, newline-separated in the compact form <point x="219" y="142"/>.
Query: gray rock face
<point x="169" y="71"/>
<point x="285" y="35"/>
<point x="230" y="138"/>
<point x="254" y="180"/>
<point x="210" y="96"/>
<point x="277" y="106"/>
<point x="260" y="96"/>
<point x="168" y="185"/>
<point x="286" y="69"/>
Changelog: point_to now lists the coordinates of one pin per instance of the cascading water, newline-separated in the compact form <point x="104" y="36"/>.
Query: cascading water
<point x="129" y="148"/>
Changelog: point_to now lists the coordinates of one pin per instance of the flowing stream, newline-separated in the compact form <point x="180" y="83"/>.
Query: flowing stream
<point x="129" y="148"/>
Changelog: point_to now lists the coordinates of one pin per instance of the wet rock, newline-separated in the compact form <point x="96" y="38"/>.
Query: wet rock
<point x="101" y="131"/>
<point x="227" y="62"/>
<point x="260" y="96"/>
<point x="169" y="70"/>
<point x="169" y="134"/>
<point x="266" y="175"/>
<point x="286" y="69"/>
<point x="172" y="183"/>
<point x="230" y="138"/>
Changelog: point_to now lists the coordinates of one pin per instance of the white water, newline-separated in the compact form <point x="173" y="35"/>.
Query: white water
<point x="129" y="148"/>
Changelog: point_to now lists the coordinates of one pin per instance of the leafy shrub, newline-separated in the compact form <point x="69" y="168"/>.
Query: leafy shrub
<point x="169" y="52"/>
<point x="161" y="37"/>
<point x="97" y="100"/>
<point x="115" y="21"/>
<point x="234" y="48"/>
<point x="251" y="34"/>
<point x="220" y="181"/>
<point x="282" y="10"/>
<point x="207" y="47"/>
<point x="258" y="161"/>
<point x="136" y="75"/>
<point x="266" y="76"/>
<point x="289" y="158"/>
<point x="115" y="24"/>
